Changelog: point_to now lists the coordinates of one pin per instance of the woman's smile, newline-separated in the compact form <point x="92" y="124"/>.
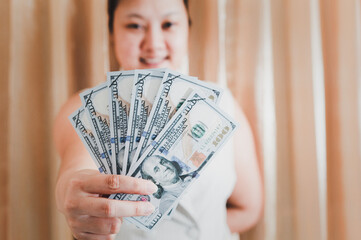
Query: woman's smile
<point x="154" y="62"/>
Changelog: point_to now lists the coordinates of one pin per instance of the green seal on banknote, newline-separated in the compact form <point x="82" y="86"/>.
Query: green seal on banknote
<point x="198" y="130"/>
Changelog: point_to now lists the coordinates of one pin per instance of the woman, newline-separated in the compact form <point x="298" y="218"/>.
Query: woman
<point x="227" y="197"/>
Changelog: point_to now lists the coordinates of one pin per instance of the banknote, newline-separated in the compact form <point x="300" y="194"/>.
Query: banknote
<point x="174" y="89"/>
<point x="95" y="101"/>
<point x="145" y="88"/>
<point x="82" y="126"/>
<point x="119" y="87"/>
<point x="179" y="154"/>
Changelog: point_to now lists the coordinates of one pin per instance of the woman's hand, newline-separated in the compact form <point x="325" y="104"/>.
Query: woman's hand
<point x="90" y="216"/>
<point x="80" y="185"/>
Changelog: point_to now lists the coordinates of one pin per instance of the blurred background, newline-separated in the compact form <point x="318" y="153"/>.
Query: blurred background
<point x="293" y="65"/>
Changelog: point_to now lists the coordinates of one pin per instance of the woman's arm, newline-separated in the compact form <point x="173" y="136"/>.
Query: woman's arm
<point x="79" y="185"/>
<point x="245" y="205"/>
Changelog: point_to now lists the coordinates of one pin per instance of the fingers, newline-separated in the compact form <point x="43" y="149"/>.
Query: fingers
<point x="95" y="225"/>
<point x="92" y="236"/>
<point x="107" y="208"/>
<point x="109" y="184"/>
<point x="93" y="217"/>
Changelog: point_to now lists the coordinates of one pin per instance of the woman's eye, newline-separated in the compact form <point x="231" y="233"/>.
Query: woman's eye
<point x="167" y="25"/>
<point x="156" y="169"/>
<point x="134" y="26"/>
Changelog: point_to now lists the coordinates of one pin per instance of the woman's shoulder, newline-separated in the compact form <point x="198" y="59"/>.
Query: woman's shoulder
<point x="62" y="129"/>
<point x="226" y="100"/>
<point x="225" y="95"/>
<point x="71" y="105"/>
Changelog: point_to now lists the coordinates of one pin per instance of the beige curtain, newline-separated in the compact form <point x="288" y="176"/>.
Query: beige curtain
<point x="293" y="65"/>
<point x="49" y="49"/>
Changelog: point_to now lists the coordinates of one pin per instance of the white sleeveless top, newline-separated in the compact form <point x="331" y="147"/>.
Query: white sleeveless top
<point x="201" y="213"/>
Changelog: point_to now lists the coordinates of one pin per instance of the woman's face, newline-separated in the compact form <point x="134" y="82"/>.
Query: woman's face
<point x="161" y="170"/>
<point x="150" y="34"/>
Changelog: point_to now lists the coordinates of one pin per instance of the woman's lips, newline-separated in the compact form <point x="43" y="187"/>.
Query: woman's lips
<point x="153" y="61"/>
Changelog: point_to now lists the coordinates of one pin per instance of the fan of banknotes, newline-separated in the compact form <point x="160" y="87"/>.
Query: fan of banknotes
<point x="155" y="124"/>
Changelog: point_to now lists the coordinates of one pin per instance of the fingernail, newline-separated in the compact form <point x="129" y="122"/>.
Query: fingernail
<point x="151" y="187"/>
<point x="149" y="208"/>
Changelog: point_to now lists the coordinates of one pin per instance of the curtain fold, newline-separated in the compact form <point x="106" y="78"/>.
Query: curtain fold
<point x="79" y="59"/>
<point x="204" y="42"/>
<point x="242" y="56"/>
<point x="296" y="143"/>
<point x="28" y="139"/>
<point x="293" y="66"/>
<point x="342" y="88"/>
<point x="4" y="111"/>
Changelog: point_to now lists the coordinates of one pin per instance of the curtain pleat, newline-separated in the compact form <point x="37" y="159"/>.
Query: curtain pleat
<point x="295" y="124"/>
<point x="56" y="48"/>
<point x="241" y="60"/>
<point x="29" y="122"/>
<point x="61" y="88"/>
<point x="342" y="120"/>
<point x="285" y="225"/>
<point x="4" y="112"/>
<point x="79" y="56"/>
<point x="242" y="53"/>
<point x="204" y="42"/>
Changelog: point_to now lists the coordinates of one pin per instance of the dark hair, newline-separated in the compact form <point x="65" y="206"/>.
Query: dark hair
<point x="112" y="5"/>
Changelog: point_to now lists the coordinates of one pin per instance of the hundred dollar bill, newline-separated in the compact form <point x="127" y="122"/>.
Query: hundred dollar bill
<point x="145" y="88"/>
<point x="179" y="154"/>
<point x="82" y="126"/>
<point x="120" y="87"/>
<point x="96" y="103"/>
<point x="174" y="89"/>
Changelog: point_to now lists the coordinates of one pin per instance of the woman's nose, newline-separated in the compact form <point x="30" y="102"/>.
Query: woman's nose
<point x="153" y="40"/>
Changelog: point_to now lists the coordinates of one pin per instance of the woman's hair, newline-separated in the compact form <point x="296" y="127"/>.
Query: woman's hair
<point x="112" y="5"/>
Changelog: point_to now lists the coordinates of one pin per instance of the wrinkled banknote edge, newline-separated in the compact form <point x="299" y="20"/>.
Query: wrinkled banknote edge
<point x="96" y="159"/>
<point x="101" y="144"/>
<point x="115" y="130"/>
<point x="132" y="120"/>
